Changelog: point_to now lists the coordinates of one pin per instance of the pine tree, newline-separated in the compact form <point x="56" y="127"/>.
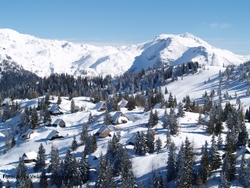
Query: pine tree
<point x="54" y="166"/>
<point x="171" y="163"/>
<point x="243" y="137"/>
<point x="84" y="168"/>
<point x="13" y="142"/>
<point x="243" y="173"/>
<point x="101" y="175"/>
<point x="173" y="125"/>
<point x="47" y="117"/>
<point x="68" y="167"/>
<point x="158" y="145"/>
<point x="59" y="100"/>
<point x="214" y="156"/>
<point x="107" y="117"/>
<point x="91" y="118"/>
<point x="21" y="173"/>
<point x="186" y="173"/>
<point x="170" y="100"/>
<point x="72" y="106"/>
<point x="40" y="162"/>
<point x="131" y="103"/>
<point x="8" y="184"/>
<point x="43" y="180"/>
<point x="181" y="112"/>
<point x="219" y="142"/>
<point x="84" y="134"/>
<point x="224" y="183"/>
<point x="150" y="140"/>
<point x="205" y="169"/>
<point x="229" y="166"/>
<point x="165" y="120"/>
<point x="74" y="144"/>
<point x="34" y="119"/>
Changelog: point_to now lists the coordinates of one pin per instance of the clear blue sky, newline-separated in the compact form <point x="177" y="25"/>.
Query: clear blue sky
<point x="224" y="24"/>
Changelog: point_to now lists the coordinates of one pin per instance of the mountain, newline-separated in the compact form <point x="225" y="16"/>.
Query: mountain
<point x="44" y="57"/>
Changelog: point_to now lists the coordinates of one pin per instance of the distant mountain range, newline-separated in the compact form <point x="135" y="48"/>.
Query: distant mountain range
<point x="44" y="57"/>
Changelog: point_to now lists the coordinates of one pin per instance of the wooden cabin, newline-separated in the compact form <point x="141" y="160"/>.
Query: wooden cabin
<point x="53" y="135"/>
<point x="30" y="157"/>
<point x="119" y="118"/>
<point x="100" y="106"/>
<point x="103" y="132"/>
<point x="59" y="122"/>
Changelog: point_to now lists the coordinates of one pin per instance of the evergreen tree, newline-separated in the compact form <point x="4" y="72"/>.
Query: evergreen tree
<point x="159" y="183"/>
<point x="40" y="162"/>
<point x="243" y="173"/>
<point x="84" y="134"/>
<point x="186" y="173"/>
<point x="173" y="124"/>
<point x="59" y="100"/>
<point x="243" y="137"/>
<point x="219" y="142"/>
<point x="170" y="100"/>
<point x="166" y="120"/>
<point x="158" y="145"/>
<point x="229" y="166"/>
<point x="84" y="168"/>
<point x="34" y="119"/>
<point x="72" y="106"/>
<point x="171" y="163"/>
<point x="13" y="142"/>
<point x="54" y="166"/>
<point x="205" y="169"/>
<point x="101" y="175"/>
<point x="68" y="167"/>
<point x="169" y="140"/>
<point x="8" y="184"/>
<point x="74" y="144"/>
<point x="150" y="140"/>
<point x="131" y="103"/>
<point x="91" y="118"/>
<point x="43" y="180"/>
<point x="47" y="117"/>
<point x="214" y="156"/>
<point x="21" y="173"/>
<point x="224" y="183"/>
<point x="107" y="117"/>
<point x="181" y="112"/>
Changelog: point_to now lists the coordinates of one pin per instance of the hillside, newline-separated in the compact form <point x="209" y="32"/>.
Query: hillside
<point x="232" y="81"/>
<point x="44" y="57"/>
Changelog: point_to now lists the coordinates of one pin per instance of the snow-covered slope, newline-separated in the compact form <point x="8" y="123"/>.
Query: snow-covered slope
<point x="44" y="57"/>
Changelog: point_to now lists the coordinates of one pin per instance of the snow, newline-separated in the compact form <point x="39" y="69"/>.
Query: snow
<point x="44" y="57"/>
<point x="193" y="85"/>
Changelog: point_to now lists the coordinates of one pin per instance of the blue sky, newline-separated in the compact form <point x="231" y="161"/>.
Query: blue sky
<point x="223" y="24"/>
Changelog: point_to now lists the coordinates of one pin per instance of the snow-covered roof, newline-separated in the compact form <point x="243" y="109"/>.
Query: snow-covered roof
<point x="51" y="134"/>
<point x="116" y="116"/>
<point x="123" y="102"/>
<point x="28" y="132"/>
<point x="57" y="121"/>
<point x="30" y="155"/>
<point x="5" y="101"/>
<point x="102" y="129"/>
<point x="99" y="105"/>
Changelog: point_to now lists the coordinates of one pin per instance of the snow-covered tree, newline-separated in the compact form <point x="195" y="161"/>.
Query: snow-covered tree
<point x="41" y="159"/>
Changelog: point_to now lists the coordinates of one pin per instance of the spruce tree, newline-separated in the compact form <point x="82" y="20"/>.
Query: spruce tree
<point x="8" y="184"/>
<point x="150" y="140"/>
<point x="101" y="173"/>
<point x="158" y="145"/>
<point x="91" y="118"/>
<point x="21" y="173"/>
<point x="171" y="163"/>
<point x="84" y="168"/>
<point x="243" y="137"/>
<point x="214" y="156"/>
<point x="43" y="180"/>
<point x="107" y="117"/>
<point x="54" y="166"/>
<point x="84" y="134"/>
<point x="41" y="159"/>
<point x="74" y="144"/>
<point x="13" y="142"/>
<point x="224" y="183"/>
<point x="205" y="169"/>
<point x="34" y="119"/>
<point x="59" y="100"/>
<point x="72" y="106"/>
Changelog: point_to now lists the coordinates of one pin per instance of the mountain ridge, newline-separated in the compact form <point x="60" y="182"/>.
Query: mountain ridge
<point x="45" y="56"/>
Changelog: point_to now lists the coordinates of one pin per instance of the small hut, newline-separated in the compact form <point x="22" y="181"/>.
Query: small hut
<point x="103" y="132"/>
<point x="55" y="110"/>
<point x="100" y="106"/>
<point x="53" y="135"/>
<point x="29" y="157"/>
<point x="119" y="118"/>
<point x="59" y="122"/>
<point x="27" y="134"/>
